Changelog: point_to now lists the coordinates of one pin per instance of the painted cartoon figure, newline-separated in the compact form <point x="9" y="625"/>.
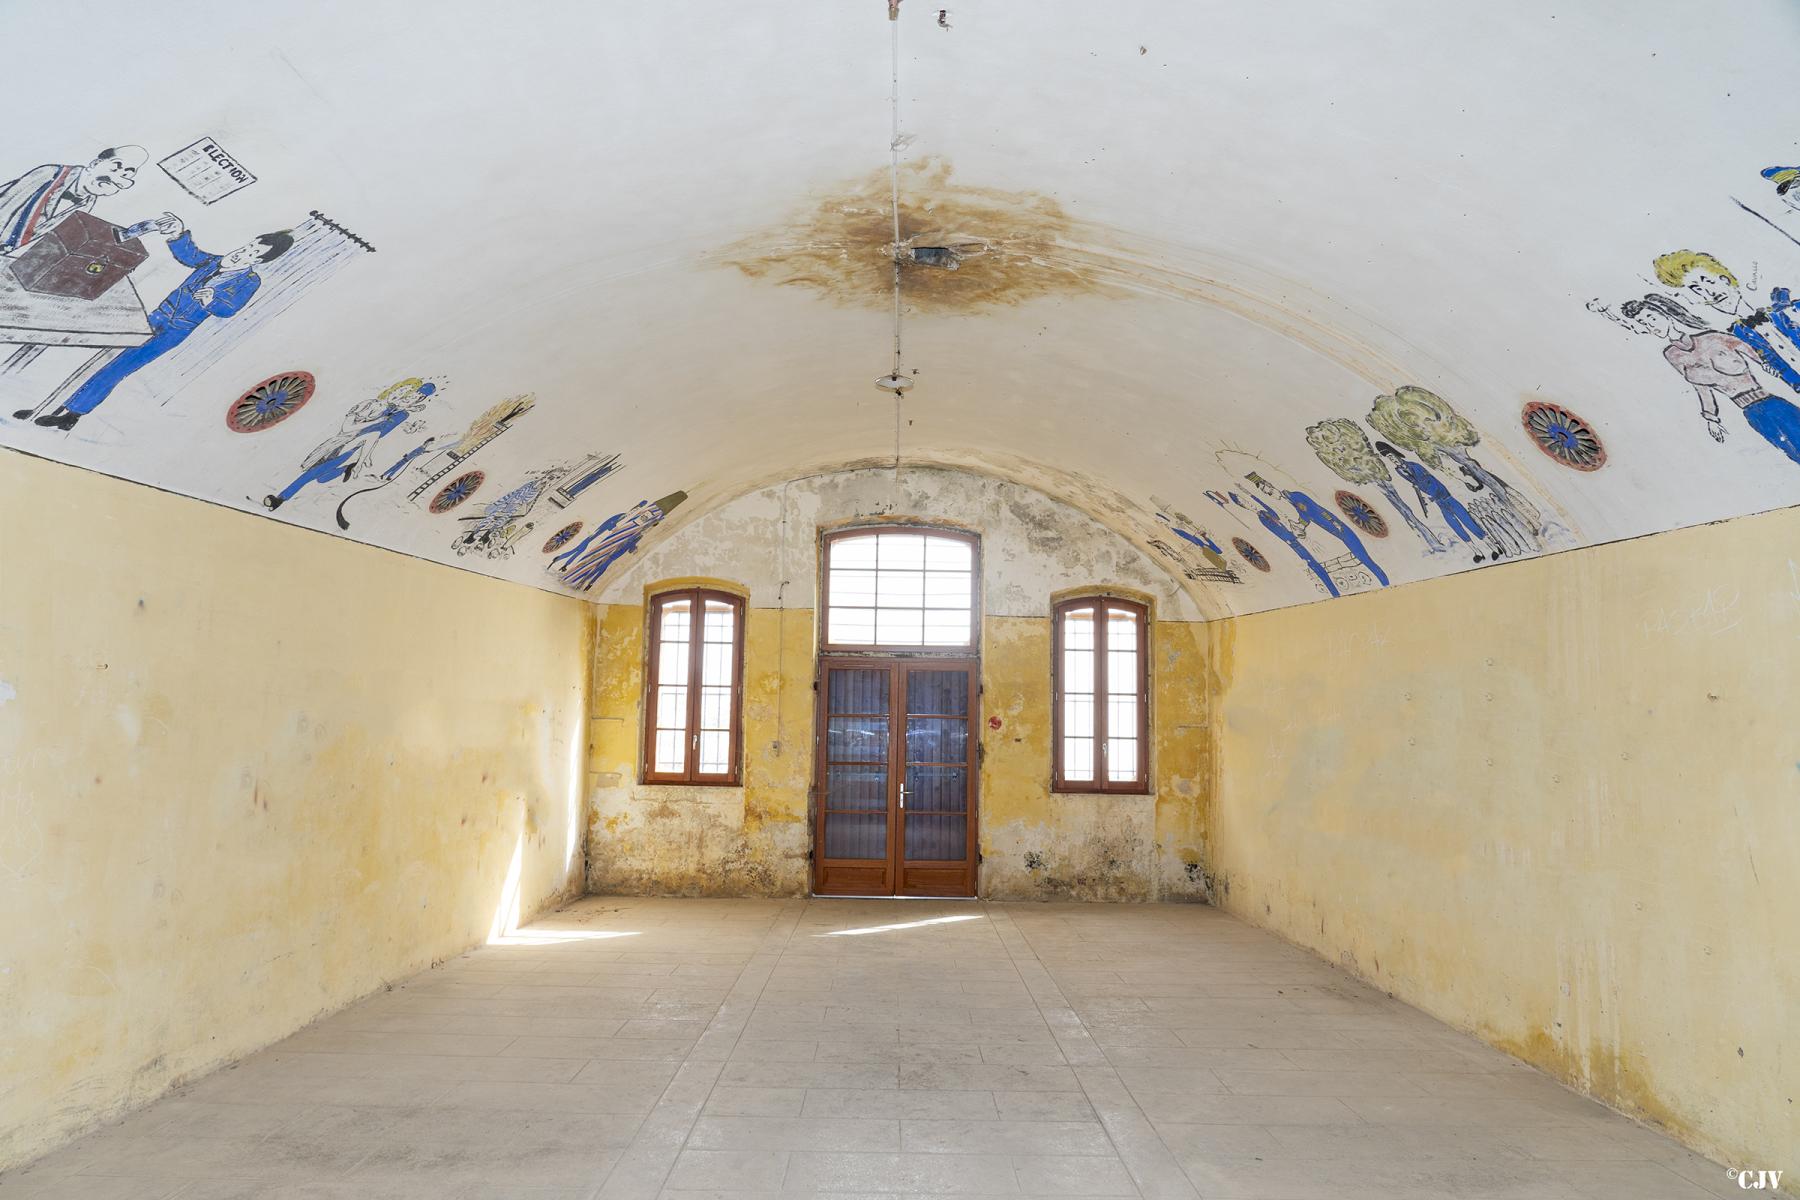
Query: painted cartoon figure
<point x="1209" y="549"/>
<point x="582" y="565"/>
<point x="1344" y="448"/>
<point x="37" y="201"/>
<point x="406" y="460"/>
<point x="1716" y="365"/>
<point x="1423" y="423"/>
<point x="493" y="530"/>
<point x="1272" y="521"/>
<point x="1431" y="490"/>
<point x="348" y="453"/>
<point x="1784" y="179"/>
<point x="1711" y="283"/>
<point x="218" y="286"/>
<point x="1311" y="512"/>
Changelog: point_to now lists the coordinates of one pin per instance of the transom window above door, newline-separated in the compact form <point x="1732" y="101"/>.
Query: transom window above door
<point x="899" y="589"/>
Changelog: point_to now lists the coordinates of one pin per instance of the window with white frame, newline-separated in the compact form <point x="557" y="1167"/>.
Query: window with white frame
<point x="900" y="589"/>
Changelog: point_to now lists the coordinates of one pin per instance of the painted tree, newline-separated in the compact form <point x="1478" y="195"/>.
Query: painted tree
<point x="1342" y="446"/>
<point x="1420" y="420"/>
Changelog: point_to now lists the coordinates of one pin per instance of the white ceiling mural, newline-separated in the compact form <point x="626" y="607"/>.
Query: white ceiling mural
<point x="1304" y="299"/>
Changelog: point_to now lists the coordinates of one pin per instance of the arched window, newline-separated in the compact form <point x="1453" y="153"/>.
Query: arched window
<point x="899" y="588"/>
<point x="693" y="723"/>
<point x="1102" y="670"/>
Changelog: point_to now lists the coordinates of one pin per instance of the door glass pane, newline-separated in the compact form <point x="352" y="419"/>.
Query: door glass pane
<point x="856" y="835"/>
<point x="937" y="837"/>
<point x="857" y="788"/>
<point x="936" y="790"/>
<point x="857" y="691"/>
<point x="937" y="739"/>
<point x="938" y="693"/>
<point x="856" y="739"/>
<point x="856" y="795"/>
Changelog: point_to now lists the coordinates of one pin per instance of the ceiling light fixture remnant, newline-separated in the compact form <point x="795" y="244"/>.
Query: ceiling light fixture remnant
<point x="947" y="254"/>
<point x="895" y="383"/>
<point x="893" y="10"/>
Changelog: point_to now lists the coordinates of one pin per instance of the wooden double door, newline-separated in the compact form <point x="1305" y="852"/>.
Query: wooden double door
<point x="895" y="811"/>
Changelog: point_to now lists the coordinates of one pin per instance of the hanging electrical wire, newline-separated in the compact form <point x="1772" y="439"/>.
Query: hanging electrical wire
<point x="896" y="380"/>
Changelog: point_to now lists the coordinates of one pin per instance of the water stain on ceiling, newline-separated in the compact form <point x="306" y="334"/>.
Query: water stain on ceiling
<point x="961" y="248"/>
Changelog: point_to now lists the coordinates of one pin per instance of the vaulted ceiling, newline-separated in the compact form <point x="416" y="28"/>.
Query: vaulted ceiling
<point x="612" y="265"/>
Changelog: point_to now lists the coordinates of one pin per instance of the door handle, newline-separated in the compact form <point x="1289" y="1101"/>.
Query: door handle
<point x="903" y="797"/>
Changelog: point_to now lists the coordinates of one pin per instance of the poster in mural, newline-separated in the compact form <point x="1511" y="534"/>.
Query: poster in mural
<point x="356" y="448"/>
<point x="67" y="281"/>
<point x="582" y="565"/>
<point x="206" y="171"/>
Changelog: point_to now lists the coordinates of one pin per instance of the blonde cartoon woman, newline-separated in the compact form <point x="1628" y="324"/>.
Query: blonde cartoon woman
<point x="347" y="454"/>
<point x="1712" y="284"/>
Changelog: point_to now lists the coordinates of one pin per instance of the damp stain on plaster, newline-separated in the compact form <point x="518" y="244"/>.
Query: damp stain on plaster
<point x="1011" y="247"/>
<point x="1007" y="247"/>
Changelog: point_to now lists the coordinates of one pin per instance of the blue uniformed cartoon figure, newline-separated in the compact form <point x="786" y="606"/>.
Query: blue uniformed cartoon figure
<point x="1272" y="521"/>
<point x="582" y="565"/>
<point x="1431" y="490"/>
<point x="1310" y="512"/>
<point x="1209" y="549"/>
<point x="406" y="460"/>
<point x="218" y="286"/>
<point x="350" y="452"/>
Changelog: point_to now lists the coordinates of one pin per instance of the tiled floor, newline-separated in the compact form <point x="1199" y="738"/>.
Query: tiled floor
<point x="736" y="1049"/>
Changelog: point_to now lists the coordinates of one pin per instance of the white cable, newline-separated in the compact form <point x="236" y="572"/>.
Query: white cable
<point x="894" y="185"/>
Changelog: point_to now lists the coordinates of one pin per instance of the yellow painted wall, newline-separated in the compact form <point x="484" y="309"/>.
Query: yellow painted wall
<point x="677" y="840"/>
<point x="1556" y="803"/>
<point x="250" y="774"/>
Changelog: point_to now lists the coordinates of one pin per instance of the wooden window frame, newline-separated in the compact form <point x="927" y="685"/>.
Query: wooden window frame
<point x="1100" y="784"/>
<point x="691" y="775"/>
<point x="969" y="649"/>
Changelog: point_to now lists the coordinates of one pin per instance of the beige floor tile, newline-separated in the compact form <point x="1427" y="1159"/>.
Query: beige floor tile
<point x="738" y="1051"/>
